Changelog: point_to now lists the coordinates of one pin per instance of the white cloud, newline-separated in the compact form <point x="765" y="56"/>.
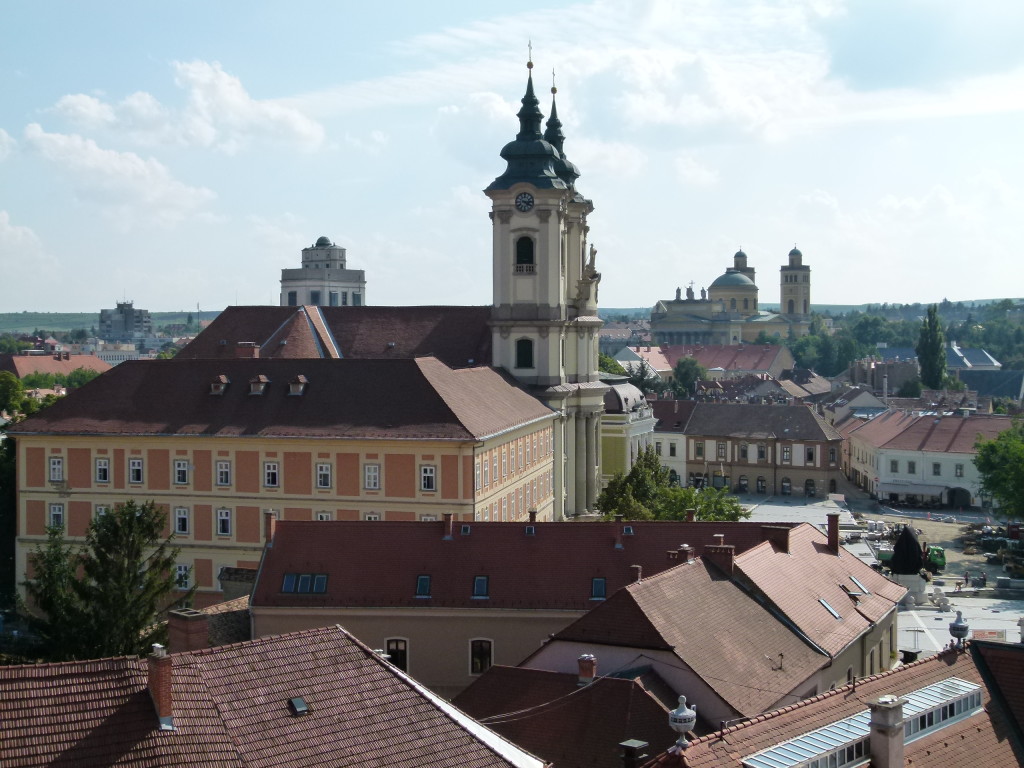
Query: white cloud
<point x="124" y="183"/>
<point x="690" y="171"/>
<point x="219" y="113"/>
<point x="7" y="144"/>
<point x="607" y="157"/>
<point x="23" y="260"/>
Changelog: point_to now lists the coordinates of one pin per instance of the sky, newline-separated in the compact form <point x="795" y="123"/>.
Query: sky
<point x="179" y="155"/>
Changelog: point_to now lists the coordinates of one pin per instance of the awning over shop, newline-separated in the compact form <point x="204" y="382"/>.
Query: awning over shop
<point x="919" y="490"/>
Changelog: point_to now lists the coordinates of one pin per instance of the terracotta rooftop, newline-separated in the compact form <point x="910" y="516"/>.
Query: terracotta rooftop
<point x="458" y="336"/>
<point x="796" y="582"/>
<point x="568" y="725"/>
<point x="898" y="430"/>
<point x="23" y="365"/>
<point x="418" y="399"/>
<point x="743" y="420"/>
<point x="231" y="708"/>
<point x="376" y="563"/>
<point x="730" y="357"/>
<point x="714" y="626"/>
<point x="987" y="738"/>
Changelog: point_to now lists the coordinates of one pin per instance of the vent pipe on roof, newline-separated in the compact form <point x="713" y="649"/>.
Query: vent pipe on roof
<point x="160" y="686"/>
<point x="886" y="740"/>
<point x="588" y="668"/>
<point x="685" y="553"/>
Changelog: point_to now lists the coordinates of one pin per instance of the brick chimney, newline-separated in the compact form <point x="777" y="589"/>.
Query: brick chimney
<point x="886" y="740"/>
<point x="160" y="686"/>
<point x="722" y="556"/>
<point x="533" y="515"/>
<point x="449" y="525"/>
<point x="777" y="535"/>
<point x="685" y="553"/>
<point x="187" y="630"/>
<point x="588" y="668"/>
<point x="247" y="349"/>
<point x="691" y="515"/>
<point x="833" y="532"/>
<point x="269" y="526"/>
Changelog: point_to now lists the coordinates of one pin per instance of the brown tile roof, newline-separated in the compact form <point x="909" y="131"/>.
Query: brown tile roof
<point x="797" y="580"/>
<point x="1002" y="665"/>
<point x="231" y="709"/>
<point x="982" y="739"/>
<point x="747" y="420"/>
<point x="23" y="365"/>
<point x="672" y="415"/>
<point x="568" y="725"/>
<point x="458" y="336"/>
<point x="899" y="430"/>
<point x="714" y="626"/>
<point x="412" y="399"/>
<point x="375" y="563"/>
<point x="731" y="357"/>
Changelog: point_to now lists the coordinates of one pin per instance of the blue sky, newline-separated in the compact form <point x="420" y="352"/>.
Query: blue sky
<point x="181" y="154"/>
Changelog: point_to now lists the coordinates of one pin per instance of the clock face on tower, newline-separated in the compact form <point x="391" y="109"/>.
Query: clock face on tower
<point x="524" y="201"/>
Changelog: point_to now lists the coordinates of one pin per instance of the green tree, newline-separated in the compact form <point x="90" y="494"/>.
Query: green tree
<point x="686" y="374"/>
<point x="124" y="576"/>
<point x="644" y="378"/>
<point x="931" y="350"/>
<point x="1000" y="463"/>
<point x="79" y="377"/>
<point x="711" y="504"/>
<point x="8" y="518"/>
<point x="9" y="345"/>
<point x="608" y="364"/>
<point x="909" y="388"/>
<point x="11" y="392"/>
<point x="55" y="614"/>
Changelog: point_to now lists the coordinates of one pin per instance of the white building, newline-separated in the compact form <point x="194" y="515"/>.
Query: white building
<point x="324" y="279"/>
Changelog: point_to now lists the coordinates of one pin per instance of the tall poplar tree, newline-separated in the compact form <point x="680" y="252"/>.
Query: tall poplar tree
<point x="931" y="350"/>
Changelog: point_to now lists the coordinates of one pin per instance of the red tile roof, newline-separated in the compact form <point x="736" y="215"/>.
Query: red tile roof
<point x="23" y="365"/>
<point x="742" y="420"/>
<point x="375" y="563"/>
<point x="568" y="725"/>
<point x="231" y="709"/>
<point x="731" y="357"/>
<point x="796" y="581"/>
<point x="417" y="399"/>
<point x="714" y="626"/>
<point x="982" y="739"/>
<point x="1002" y="665"/>
<point x="458" y="336"/>
<point x="899" y="430"/>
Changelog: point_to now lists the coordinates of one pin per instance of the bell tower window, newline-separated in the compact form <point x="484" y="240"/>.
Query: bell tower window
<point x="791" y="306"/>
<point x="525" y="263"/>
<point x="524" y="353"/>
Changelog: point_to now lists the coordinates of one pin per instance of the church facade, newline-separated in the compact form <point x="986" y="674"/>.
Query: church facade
<point x="728" y="311"/>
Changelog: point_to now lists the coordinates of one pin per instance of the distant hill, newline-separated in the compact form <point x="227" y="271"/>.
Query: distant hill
<point x="26" y="322"/>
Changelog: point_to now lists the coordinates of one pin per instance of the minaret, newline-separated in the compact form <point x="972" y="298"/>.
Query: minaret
<point x="795" y="287"/>
<point x="544" y="320"/>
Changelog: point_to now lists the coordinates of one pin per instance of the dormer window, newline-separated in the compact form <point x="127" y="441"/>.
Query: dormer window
<point x="219" y="384"/>
<point x="258" y="385"/>
<point x="297" y="386"/>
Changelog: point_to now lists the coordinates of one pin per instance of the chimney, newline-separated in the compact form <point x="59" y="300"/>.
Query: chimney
<point x="633" y="753"/>
<point x="833" y="532"/>
<point x="160" y="686"/>
<point x="886" y="741"/>
<point x="777" y="535"/>
<point x="533" y="515"/>
<point x="721" y="555"/>
<point x="639" y="570"/>
<point x="269" y="526"/>
<point x="187" y="630"/>
<point x="247" y="349"/>
<point x="691" y="515"/>
<point x="449" y="525"/>
<point x="719" y="539"/>
<point x="588" y="668"/>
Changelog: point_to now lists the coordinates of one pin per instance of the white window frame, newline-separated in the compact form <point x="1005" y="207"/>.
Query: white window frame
<point x="100" y="510"/>
<point x="223" y="472"/>
<point x="224" y="521"/>
<point x="182" y="576"/>
<point x="504" y="462"/>
<point x="374" y="516"/>
<point x="271" y="472"/>
<point x="182" y="515"/>
<point x="428" y="478"/>
<point x="324" y="475"/>
<point x="56" y="469"/>
<point x="136" y="471"/>
<point x="57" y="517"/>
<point x="371" y="477"/>
<point x="476" y="476"/>
<point x="101" y="470"/>
<point x="487" y="471"/>
<point x="787" y="454"/>
<point x="958" y="470"/>
<point x="181" y="471"/>
<point x="323" y="516"/>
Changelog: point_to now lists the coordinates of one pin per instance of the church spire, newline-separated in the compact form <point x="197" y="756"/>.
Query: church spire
<point x="553" y="130"/>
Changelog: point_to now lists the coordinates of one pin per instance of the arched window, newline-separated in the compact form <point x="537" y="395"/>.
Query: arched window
<point x="746" y="303"/>
<point x="732" y="304"/>
<point x="524" y="353"/>
<point x="805" y="306"/>
<point x="524" y="254"/>
<point x="791" y="306"/>
<point x="787" y="487"/>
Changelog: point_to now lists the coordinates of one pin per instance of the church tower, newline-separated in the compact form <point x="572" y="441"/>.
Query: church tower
<point x="544" y="324"/>
<point x="795" y="287"/>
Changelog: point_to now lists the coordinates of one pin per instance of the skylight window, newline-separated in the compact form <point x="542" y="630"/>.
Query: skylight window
<point x="829" y="608"/>
<point x="304" y="583"/>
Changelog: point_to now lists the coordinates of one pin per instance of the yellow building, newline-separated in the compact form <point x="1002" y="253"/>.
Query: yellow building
<point x="217" y="442"/>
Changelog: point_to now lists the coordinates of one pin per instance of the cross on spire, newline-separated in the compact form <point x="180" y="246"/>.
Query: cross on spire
<point x="529" y="59"/>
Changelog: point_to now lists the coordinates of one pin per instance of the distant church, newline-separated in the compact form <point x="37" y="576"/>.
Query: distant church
<point x="727" y="312"/>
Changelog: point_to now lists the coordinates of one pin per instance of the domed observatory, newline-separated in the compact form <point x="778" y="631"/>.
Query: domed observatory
<point x="324" y="279"/>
